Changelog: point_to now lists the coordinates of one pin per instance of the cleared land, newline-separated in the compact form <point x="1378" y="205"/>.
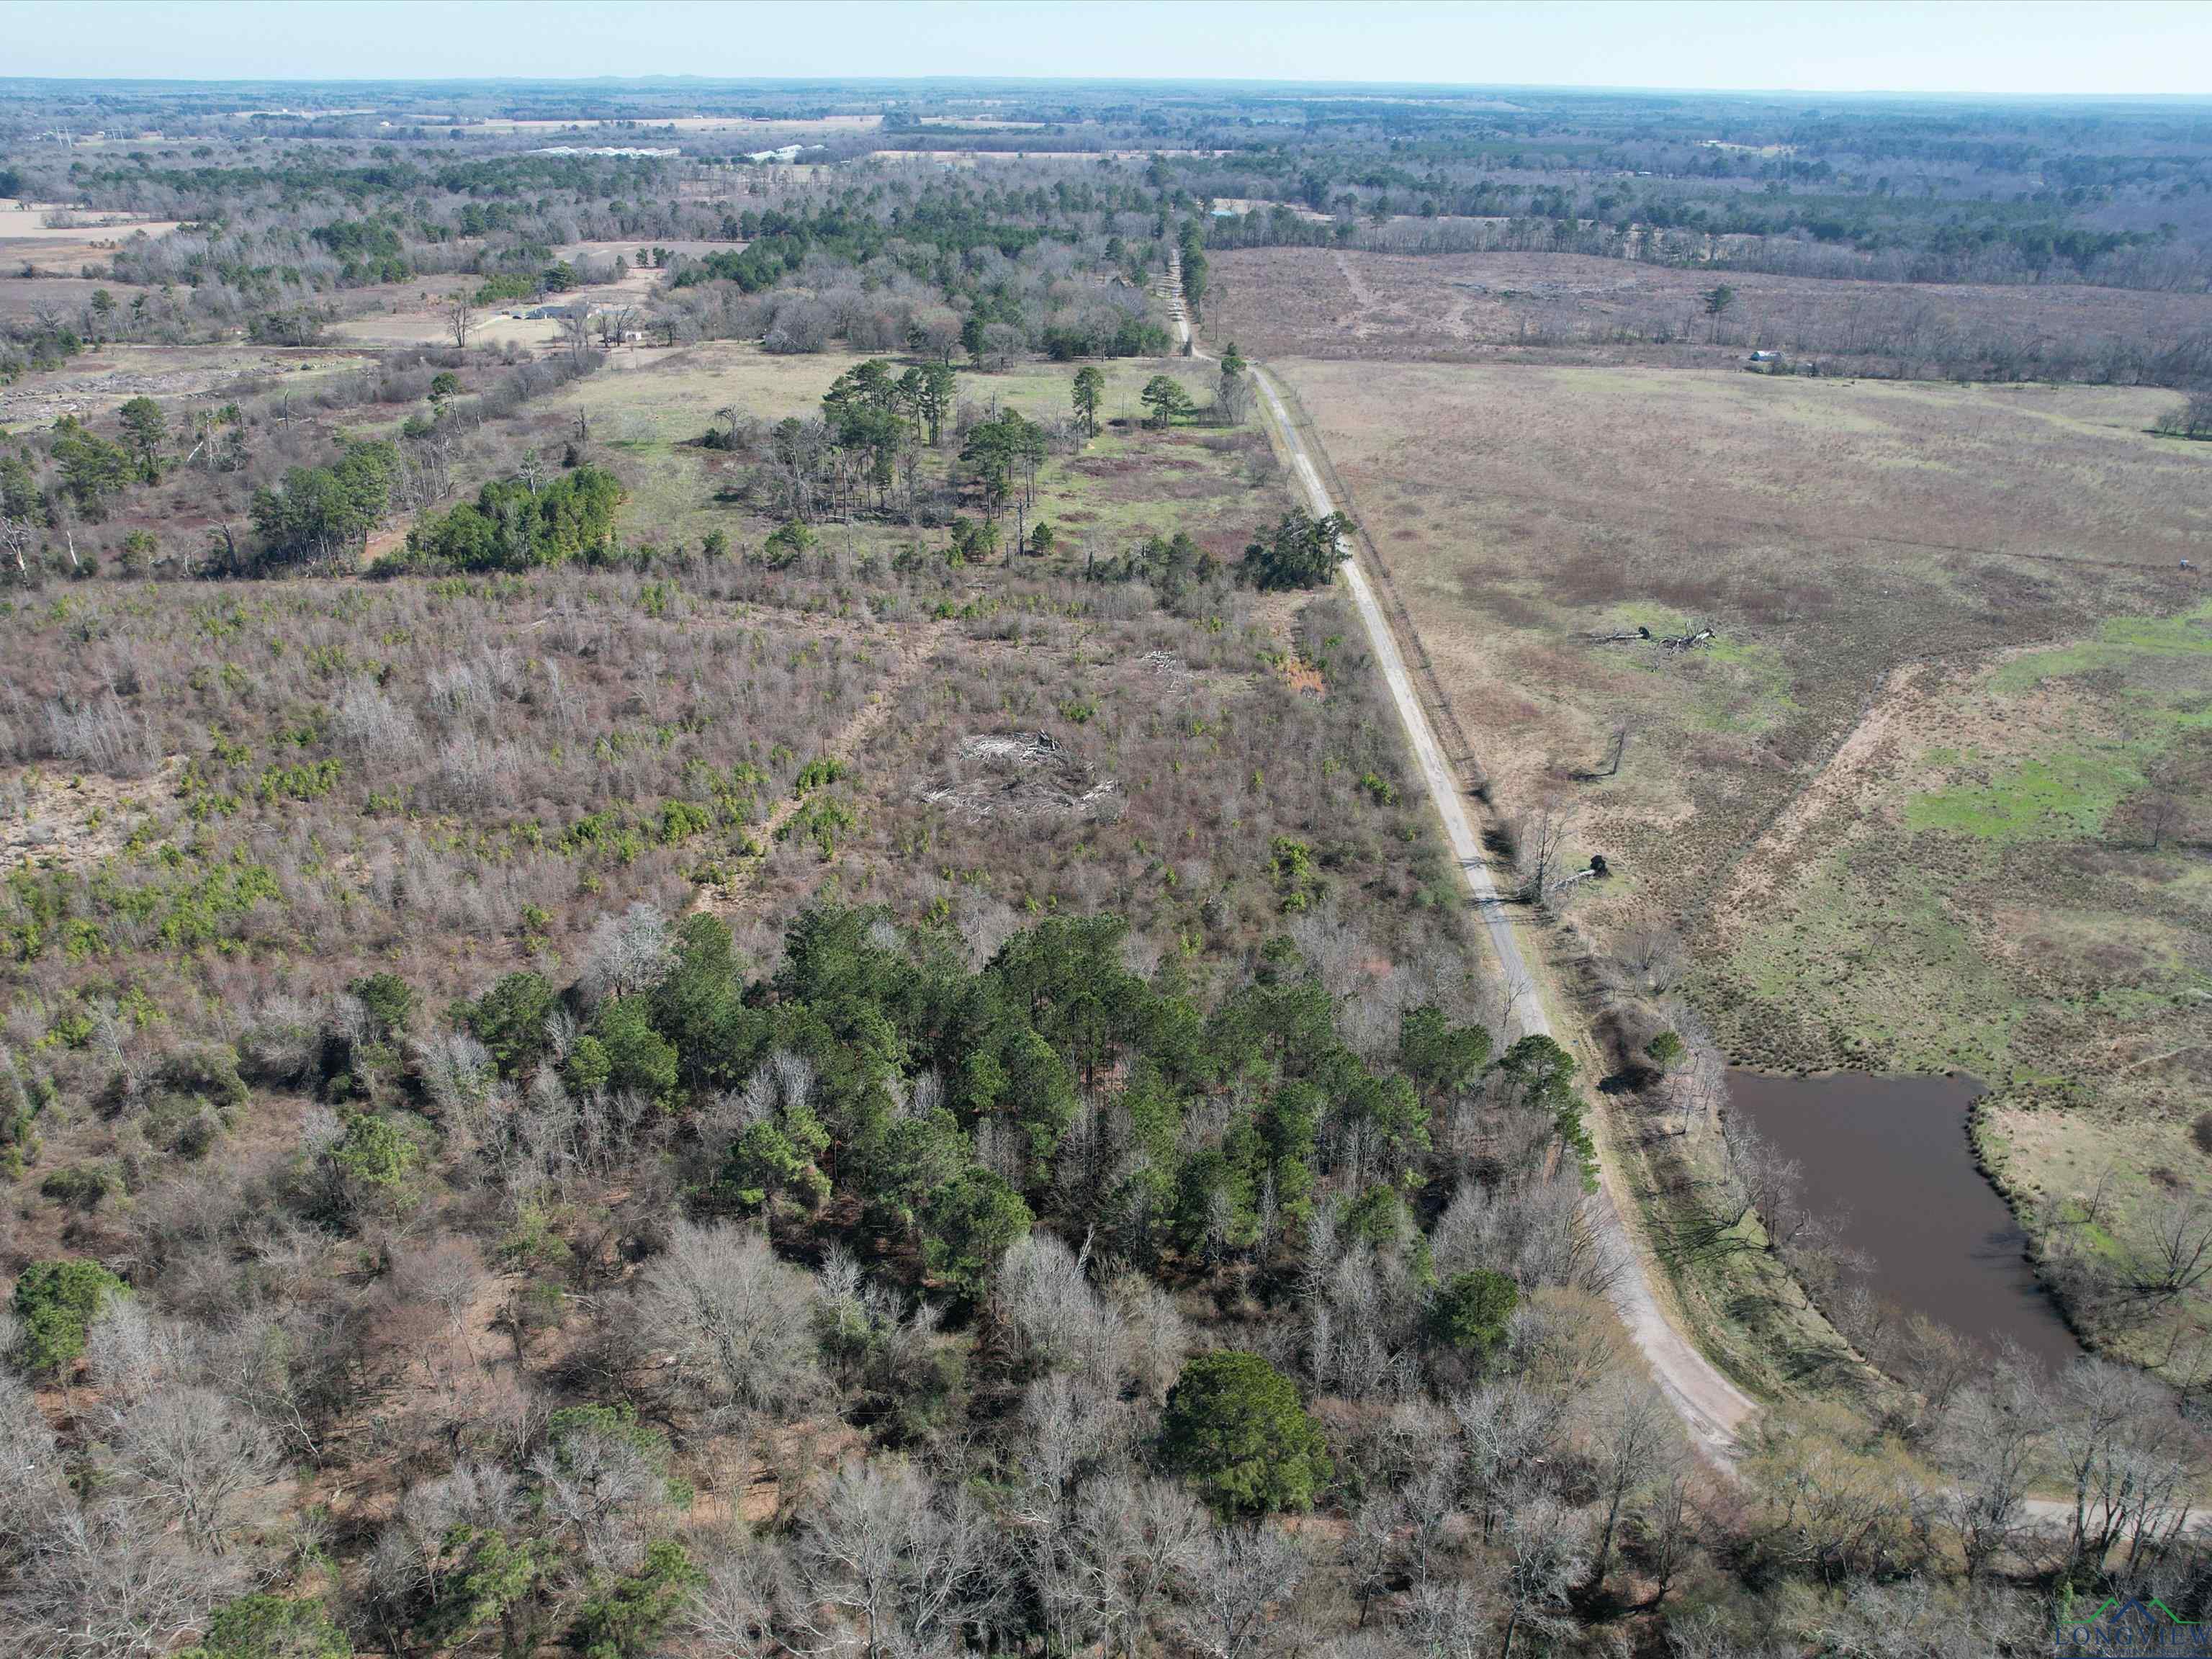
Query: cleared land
<point x="100" y="381"/>
<point x="1331" y="303"/>
<point x="1937" y="794"/>
<point x="1216" y="486"/>
<point x="414" y="313"/>
<point x="29" y="245"/>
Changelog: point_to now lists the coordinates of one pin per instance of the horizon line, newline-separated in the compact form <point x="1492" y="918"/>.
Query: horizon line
<point x="705" y="82"/>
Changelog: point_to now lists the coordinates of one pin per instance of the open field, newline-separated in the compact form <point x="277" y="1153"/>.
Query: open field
<point x="1126" y="485"/>
<point x="26" y="241"/>
<point x="413" y="314"/>
<point x="24" y="299"/>
<point x="1903" y="804"/>
<point x="100" y="381"/>
<point x="25" y="222"/>
<point x="1332" y="303"/>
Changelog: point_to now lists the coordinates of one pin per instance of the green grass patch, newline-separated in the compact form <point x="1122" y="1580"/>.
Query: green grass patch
<point x="2120" y="643"/>
<point x="2059" y="797"/>
<point x="1730" y="684"/>
<point x="1869" y="954"/>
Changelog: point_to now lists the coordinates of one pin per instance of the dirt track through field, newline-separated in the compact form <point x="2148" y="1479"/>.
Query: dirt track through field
<point x="1713" y="1408"/>
<point x="908" y="658"/>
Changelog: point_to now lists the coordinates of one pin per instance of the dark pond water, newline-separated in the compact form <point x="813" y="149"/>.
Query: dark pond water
<point x="1890" y="1154"/>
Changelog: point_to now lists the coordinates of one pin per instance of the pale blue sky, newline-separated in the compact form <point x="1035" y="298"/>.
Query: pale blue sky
<point x="2015" y="46"/>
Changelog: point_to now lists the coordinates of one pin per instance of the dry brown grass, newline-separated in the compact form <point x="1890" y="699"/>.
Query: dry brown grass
<point x="26" y="238"/>
<point x="1830" y="530"/>
<point x="96" y="383"/>
<point x="1314" y="302"/>
<point x="1897" y="805"/>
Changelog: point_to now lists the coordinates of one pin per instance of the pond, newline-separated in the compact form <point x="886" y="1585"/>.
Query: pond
<point x="1890" y="1155"/>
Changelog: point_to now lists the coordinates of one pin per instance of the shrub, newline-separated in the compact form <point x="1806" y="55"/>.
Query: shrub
<point x="1541" y="1073"/>
<point x="635" y="1058"/>
<point x="82" y="1186"/>
<point x="271" y="1628"/>
<point x="321" y="514"/>
<point x="373" y="1164"/>
<point x="1300" y="551"/>
<point x="624" y="1619"/>
<point x="509" y="1019"/>
<point x="390" y="1002"/>
<point x="1443" y="1058"/>
<point x="56" y="1300"/>
<point x="1471" y="1312"/>
<point x="1234" y="1427"/>
<point x="778" y="1158"/>
<point x="515" y="524"/>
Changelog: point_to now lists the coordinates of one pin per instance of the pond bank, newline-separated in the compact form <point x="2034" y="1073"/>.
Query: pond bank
<point x="1890" y="1156"/>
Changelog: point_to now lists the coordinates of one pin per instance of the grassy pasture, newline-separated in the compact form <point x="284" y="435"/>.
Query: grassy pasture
<point x="648" y="409"/>
<point x="1938" y="796"/>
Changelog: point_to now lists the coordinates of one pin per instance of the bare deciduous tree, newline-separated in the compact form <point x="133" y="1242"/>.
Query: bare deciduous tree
<point x="460" y="318"/>
<point x="1058" y="1321"/>
<point x="31" y="1471"/>
<point x="1696" y="1089"/>
<point x="1634" y="1439"/>
<point x="576" y="332"/>
<point x="1242" y="1577"/>
<point x="732" y="1317"/>
<point x="2124" y="1453"/>
<point x="1990" y="1441"/>
<point x="129" y="1350"/>
<point x="903" y="1563"/>
<point x="1656" y="955"/>
<point x="444" y="1274"/>
<point x="598" y="1487"/>
<point x="1449" y="1619"/>
<point x="1370" y="1552"/>
<point x="1544" y="1539"/>
<point x="192" y="1452"/>
<point x="1540" y="841"/>
<point x="105" y="1583"/>
<point x="737" y="1612"/>
<point x="1508" y="1428"/>
<point x="1665" y="1526"/>
<point x="2174" y="1252"/>
<point x="626" y="953"/>
<point x="1137" y="1540"/>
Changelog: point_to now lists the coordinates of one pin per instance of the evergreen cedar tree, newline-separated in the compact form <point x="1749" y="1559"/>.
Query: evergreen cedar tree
<point x="320" y="513"/>
<point x="271" y="1628"/>
<point x="1471" y="1312"/>
<point x="1090" y="388"/>
<point x="57" y="1301"/>
<point x="1234" y="1428"/>
<point x="1302" y="551"/>
<point x="1164" y="396"/>
<point x="513" y="524"/>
